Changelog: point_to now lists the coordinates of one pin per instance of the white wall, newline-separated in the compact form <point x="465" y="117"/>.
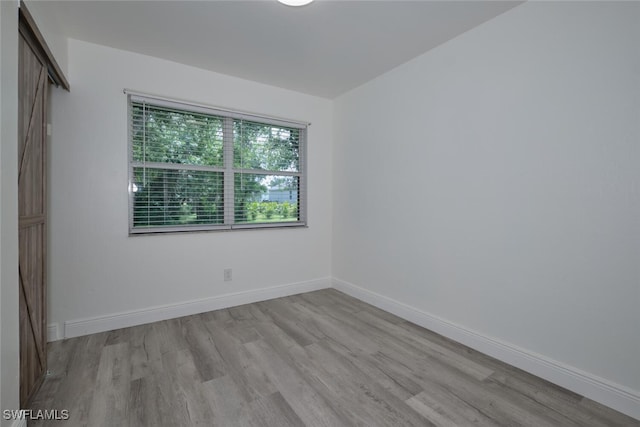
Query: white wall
<point x="96" y="269"/>
<point x="493" y="182"/>
<point x="9" y="345"/>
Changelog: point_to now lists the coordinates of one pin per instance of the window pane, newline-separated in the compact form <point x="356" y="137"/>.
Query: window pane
<point x="266" y="198"/>
<point x="163" y="197"/>
<point x="169" y="136"/>
<point x="187" y="160"/>
<point x="264" y="146"/>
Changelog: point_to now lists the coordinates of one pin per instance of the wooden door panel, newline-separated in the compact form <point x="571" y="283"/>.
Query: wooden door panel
<point x="30" y="68"/>
<point x="33" y="86"/>
<point x="31" y="177"/>
<point x="32" y="293"/>
<point x="30" y="161"/>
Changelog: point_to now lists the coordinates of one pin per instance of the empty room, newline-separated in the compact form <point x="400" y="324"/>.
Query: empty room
<point x="320" y="213"/>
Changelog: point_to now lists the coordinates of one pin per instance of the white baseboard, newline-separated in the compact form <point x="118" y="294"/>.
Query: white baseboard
<point x="75" y="328"/>
<point x="52" y="332"/>
<point x="616" y="396"/>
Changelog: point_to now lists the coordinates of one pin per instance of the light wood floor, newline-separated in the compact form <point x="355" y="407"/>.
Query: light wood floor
<point x="315" y="359"/>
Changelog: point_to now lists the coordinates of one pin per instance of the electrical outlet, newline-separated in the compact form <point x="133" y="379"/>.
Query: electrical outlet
<point x="227" y="274"/>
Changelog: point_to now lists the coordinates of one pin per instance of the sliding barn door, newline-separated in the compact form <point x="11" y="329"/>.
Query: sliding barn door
<point x="32" y="92"/>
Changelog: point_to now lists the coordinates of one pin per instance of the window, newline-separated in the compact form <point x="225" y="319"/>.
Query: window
<point x="194" y="168"/>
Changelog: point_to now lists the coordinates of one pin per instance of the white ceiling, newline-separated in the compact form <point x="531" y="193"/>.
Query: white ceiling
<point x="323" y="49"/>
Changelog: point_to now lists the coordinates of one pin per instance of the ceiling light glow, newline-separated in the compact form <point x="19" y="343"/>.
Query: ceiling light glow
<point x="295" y="2"/>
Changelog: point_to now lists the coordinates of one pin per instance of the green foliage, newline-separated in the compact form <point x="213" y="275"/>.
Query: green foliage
<point x="177" y="197"/>
<point x="167" y="136"/>
<point x="253" y="209"/>
<point x="269" y="209"/>
<point x="293" y="211"/>
<point x="248" y="188"/>
<point x="261" y="146"/>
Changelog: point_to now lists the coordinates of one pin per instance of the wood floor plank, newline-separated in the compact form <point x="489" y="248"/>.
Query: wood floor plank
<point x="238" y="362"/>
<point x="78" y="373"/>
<point x="495" y="404"/>
<point x="152" y="402"/>
<point x="203" y="349"/>
<point x="241" y="313"/>
<point x="315" y="359"/>
<point x="290" y="309"/>
<point x="170" y="335"/>
<point x="469" y="353"/>
<point x="109" y="404"/>
<point x="321" y="300"/>
<point x="307" y="403"/>
<point x="400" y="385"/>
<point x="373" y="404"/>
<point x="550" y="396"/>
<point x="273" y="410"/>
<point x="227" y="403"/>
<point x="462" y="363"/>
<point x="280" y="315"/>
<point x="448" y="411"/>
<point x="340" y="332"/>
<point x="144" y="351"/>
<point x="335" y="295"/>
<point x="181" y="372"/>
<point x="388" y="333"/>
<point x="597" y="414"/>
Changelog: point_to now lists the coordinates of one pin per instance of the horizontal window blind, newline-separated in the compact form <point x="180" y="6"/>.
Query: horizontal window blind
<point x="194" y="168"/>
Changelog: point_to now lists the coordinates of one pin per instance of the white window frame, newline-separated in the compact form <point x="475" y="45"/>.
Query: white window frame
<point x="228" y="168"/>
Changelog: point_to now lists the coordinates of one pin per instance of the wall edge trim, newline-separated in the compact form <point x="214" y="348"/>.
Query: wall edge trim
<point x="52" y="332"/>
<point x="92" y="325"/>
